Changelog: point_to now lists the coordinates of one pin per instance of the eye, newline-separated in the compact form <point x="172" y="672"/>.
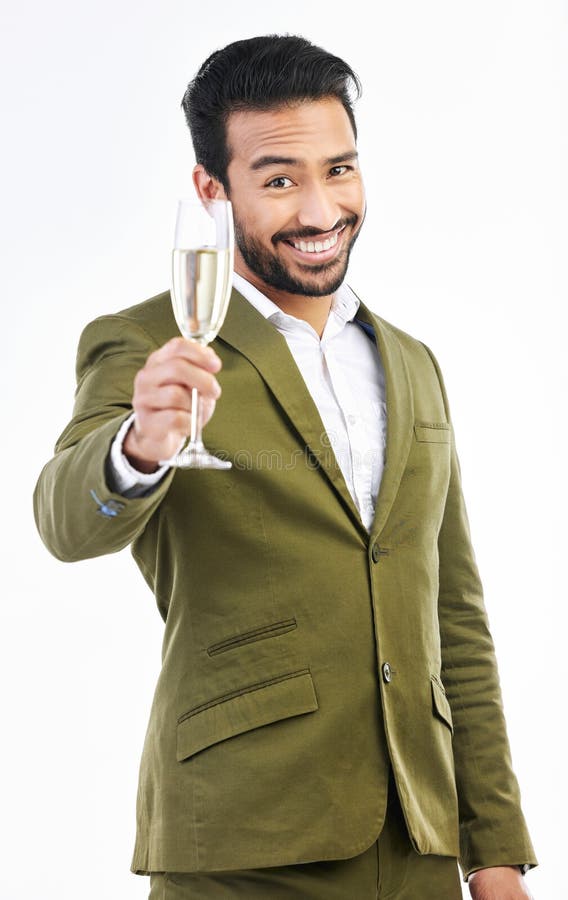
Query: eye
<point x="280" y="182"/>
<point x="339" y="170"/>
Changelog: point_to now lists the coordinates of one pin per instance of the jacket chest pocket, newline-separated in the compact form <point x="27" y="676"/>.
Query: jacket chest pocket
<point x="432" y="432"/>
<point x="420" y="500"/>
<point x="429" y="457"/>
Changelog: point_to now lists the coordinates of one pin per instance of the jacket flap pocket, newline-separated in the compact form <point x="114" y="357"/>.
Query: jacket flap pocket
<point x="433" y="432"/>
<point x="258" y="704"/>
<point x="441" y="705"/>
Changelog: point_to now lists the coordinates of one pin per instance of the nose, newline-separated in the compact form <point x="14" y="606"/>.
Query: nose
<point x="318" y="209"/>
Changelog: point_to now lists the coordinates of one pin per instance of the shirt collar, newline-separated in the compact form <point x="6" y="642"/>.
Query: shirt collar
<point x="344" y="304"/>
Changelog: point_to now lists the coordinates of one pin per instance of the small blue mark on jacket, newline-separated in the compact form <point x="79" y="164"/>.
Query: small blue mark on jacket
<point x="110" y="508"/>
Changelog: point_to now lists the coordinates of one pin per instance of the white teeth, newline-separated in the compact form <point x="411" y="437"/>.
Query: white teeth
<point x="318" y="246"/>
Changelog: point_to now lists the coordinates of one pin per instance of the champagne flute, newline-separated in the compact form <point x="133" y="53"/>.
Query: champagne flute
<point x="202" y="268"/>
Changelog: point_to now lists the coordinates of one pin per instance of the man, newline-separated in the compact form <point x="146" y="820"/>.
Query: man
<point x="328" y="720"/>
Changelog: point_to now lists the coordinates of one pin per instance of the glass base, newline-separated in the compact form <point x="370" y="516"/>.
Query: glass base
<point x="197" y="457"/>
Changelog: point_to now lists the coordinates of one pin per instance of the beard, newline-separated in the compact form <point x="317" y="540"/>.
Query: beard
<point x="320" y="280"/>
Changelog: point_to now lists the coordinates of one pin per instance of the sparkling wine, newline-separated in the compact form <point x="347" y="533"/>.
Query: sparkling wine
<point x="200" y="287"/>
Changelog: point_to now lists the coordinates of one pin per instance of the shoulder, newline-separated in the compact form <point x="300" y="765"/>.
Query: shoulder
<point x="152" y="318"/>
<point x="412" y="349"/>
<point x="137" y="330"/>
<point x="407" y="341"/>
<point x="417" y="358"/>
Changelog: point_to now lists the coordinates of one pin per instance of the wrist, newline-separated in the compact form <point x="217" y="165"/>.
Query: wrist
<point x="134" y="453"/>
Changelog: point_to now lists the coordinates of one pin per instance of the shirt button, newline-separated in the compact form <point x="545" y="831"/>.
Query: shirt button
<point x="352" y="419"/>
<point x="375" y="553"/>
<point x="387" y="672"/>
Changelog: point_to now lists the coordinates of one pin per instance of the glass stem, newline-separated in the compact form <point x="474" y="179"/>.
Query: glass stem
<point x="195" y="437"/>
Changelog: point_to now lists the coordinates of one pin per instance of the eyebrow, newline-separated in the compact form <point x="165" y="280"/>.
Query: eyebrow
<point x="264" y="161"/>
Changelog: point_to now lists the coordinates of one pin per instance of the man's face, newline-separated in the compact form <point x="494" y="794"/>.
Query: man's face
<point x="297" y="195"/>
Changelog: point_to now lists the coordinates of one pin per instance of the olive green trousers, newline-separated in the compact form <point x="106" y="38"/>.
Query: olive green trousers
<point x="390" y="869"/>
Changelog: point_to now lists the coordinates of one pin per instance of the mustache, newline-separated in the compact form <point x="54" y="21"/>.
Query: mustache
<point x="313" y="232"/>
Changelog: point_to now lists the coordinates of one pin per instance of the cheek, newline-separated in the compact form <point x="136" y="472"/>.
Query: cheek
<point x="350" y="194"/>
<point x="250" y="210"/>
<point x="263" y="219"/>
<point x="354" y="197"/>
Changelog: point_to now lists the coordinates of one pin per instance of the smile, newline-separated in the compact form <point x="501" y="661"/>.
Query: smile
<point x="318" y="250"/>
<point x="317" y="246"/>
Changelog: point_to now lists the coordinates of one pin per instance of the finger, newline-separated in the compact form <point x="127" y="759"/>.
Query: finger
<point x="184" y="348"/>
<point x="170" y="396"/>
<point x="175" y="372"/>
<point x="154" y="426"/>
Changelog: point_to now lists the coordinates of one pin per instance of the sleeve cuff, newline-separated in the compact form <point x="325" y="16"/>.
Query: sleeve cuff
<point x="523" y="868"/>
<point x="126" y="479"/>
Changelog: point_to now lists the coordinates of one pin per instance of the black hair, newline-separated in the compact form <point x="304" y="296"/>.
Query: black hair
<point x="259" y="73"/>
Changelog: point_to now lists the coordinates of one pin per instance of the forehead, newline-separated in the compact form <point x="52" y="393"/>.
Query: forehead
<point x="310" y="129"/>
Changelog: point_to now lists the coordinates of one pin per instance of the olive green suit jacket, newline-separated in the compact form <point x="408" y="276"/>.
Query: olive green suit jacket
<point x="301" y="654"/>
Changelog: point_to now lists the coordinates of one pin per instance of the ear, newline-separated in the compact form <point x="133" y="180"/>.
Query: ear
<point x="207" y="186"/>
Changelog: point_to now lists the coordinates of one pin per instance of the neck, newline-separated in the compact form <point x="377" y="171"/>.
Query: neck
<point x="313" y="310"/>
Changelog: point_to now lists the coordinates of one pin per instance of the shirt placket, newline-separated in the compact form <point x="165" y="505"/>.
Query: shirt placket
<point x="356" y="435"/>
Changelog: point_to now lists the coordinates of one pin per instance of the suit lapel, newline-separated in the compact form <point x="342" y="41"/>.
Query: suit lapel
<point x="400" y="415"/>
<point x="251" y="334"/>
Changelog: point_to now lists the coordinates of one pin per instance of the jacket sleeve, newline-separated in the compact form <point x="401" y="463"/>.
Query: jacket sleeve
<point x="77" y="514"/>
<point x="493" y="831"/>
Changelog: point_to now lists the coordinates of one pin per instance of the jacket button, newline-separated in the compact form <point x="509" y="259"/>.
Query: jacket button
<point x="375" y="553"/>
<point x="387" y="672"/>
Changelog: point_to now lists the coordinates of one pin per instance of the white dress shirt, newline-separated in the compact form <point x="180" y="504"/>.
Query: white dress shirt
<point x="343" y="373"/>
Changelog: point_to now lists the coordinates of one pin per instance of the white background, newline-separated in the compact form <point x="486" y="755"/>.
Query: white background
<point x="464" y="145"/>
